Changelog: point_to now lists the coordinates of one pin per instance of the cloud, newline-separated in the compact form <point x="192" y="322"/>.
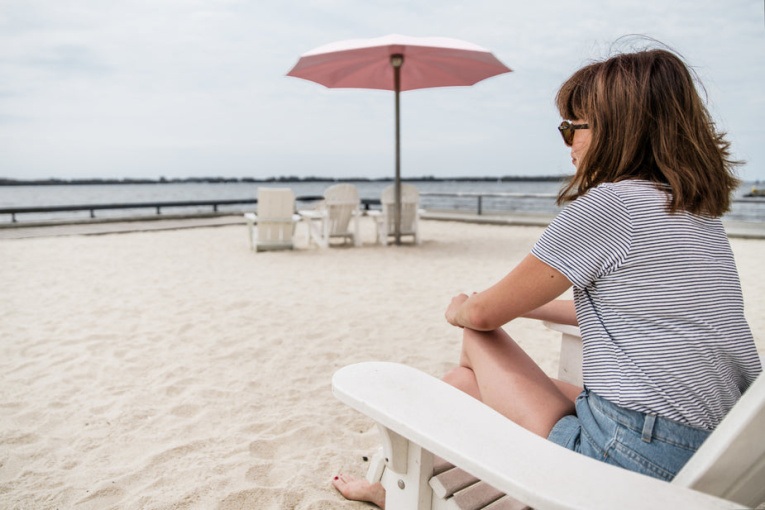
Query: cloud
<point x="198" y="87"/>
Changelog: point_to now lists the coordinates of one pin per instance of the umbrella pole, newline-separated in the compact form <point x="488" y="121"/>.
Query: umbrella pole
<point x="397" y="61"/>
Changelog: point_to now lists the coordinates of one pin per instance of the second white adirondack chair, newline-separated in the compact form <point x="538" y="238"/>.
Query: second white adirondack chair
<point x="410" y="213"/>
<point x="273" y="226"/>
<point x="336" y="217"/>
<point x="421" y="417"/>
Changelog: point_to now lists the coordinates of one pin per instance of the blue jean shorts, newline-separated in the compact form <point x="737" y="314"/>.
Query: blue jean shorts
<point x="636" y="441"/>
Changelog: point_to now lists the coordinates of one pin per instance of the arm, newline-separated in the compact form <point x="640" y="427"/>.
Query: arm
<point x="525" y="289"/>
<point x="561" y="311"/>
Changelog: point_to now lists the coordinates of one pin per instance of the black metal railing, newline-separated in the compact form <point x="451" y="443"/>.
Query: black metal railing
<point x="480" y="196"/>
<point x="13" y="211"/>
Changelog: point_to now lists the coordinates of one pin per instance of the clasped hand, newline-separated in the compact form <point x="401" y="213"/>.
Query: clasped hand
<point x="453" y="309"/>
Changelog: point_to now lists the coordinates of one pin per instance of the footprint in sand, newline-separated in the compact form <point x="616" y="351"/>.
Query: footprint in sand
<point x="185" y="411"/>
<point x="263" y="449"/>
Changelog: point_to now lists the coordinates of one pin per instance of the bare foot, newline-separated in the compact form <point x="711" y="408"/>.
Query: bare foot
<point x="359" y="489"/>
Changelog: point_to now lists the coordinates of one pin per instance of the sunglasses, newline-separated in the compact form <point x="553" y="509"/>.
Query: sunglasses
<point x="567" y="131"/>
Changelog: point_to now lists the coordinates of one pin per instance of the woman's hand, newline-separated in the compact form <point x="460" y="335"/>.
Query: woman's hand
<point x="453" y="308"/>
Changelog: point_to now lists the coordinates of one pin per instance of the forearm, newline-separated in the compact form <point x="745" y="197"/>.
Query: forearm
<point x="561" y="311"/>
<point x="528" y="287"/>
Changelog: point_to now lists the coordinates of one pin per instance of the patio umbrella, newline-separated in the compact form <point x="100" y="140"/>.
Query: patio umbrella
<point x="398" y="63"/>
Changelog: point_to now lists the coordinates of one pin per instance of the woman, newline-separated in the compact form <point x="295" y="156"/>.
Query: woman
<point x="667" y="350"/>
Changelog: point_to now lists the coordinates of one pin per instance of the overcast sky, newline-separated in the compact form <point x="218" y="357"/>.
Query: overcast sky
<point x="191" y="88"/>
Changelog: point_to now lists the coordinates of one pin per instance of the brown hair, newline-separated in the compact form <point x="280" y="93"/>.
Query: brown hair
<point x="648" y="122"/>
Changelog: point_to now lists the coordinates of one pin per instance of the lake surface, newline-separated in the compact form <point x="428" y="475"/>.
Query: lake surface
<point x="59" y="195"/>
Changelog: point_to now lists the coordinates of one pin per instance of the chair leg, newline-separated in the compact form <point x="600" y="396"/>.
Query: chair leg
<point x="356" y="230"/>
<point x="324" y="233"/>
<point x="380" y="227"/>
<point x="408" y="468"/>
<point x="253" y="236"/>
<point x="316" y="233"/>
<point x="376" y="467"/>
<point x="383" y="234"/>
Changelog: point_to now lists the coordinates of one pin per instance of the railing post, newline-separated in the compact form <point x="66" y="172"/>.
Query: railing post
<point x="480" y="205"/>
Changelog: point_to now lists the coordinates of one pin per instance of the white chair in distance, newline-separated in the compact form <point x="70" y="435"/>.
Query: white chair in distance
<point x="273" y="226"/>
<point x="337" y="216"/>
<point x="428" y="427"/>
<point x="410" y="213"/>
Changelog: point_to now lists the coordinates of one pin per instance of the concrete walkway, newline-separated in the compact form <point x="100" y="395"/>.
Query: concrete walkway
<point x="740" y="229"/>
<point x="98" y="227"/>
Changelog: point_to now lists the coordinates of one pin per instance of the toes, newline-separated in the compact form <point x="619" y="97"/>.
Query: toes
<point x="338" y="481"/>
<point x="341" y="483"/>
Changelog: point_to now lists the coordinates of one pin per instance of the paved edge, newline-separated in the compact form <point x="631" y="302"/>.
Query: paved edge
<point x="735" y="229"/>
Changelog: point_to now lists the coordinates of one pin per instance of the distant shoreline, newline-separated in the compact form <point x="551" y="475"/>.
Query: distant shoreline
<point x="247" y="180"/>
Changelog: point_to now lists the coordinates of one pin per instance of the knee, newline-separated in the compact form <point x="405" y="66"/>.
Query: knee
<point x="455" y="375"/>
<point x="471" y="340"/>
<point x="463" y="378"/>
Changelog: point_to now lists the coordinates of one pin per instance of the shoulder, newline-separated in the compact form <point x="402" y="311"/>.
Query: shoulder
<point x="605" y="201"/>
<point x="589" y="238"/>
<point x="627" y="189"/>
<point x="636" y="191"/>
<point x="629" y="198"/>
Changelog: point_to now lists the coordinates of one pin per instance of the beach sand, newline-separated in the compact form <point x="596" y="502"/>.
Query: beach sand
<point x="178" y="369"/>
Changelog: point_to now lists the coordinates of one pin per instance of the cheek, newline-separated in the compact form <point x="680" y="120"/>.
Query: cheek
<point x="581" y="145"/>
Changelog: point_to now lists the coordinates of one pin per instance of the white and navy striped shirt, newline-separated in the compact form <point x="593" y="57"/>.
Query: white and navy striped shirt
<point x="658" y="300"/>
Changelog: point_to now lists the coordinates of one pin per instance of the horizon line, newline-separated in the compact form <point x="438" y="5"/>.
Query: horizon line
<point x="4" y="181"/>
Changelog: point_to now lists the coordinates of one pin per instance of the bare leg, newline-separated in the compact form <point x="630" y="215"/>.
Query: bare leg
<point x="463" y="378"/>
<point x="494" y="369"/>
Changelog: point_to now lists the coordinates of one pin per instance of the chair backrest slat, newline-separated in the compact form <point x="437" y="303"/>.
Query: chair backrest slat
<point x="276" y="206"/>
<point x="340" y="201"/>
<point x="275" y="203"/>
<point x="410" y="202"/>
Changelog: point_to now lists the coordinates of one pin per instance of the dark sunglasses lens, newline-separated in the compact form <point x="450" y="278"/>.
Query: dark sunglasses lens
<point x="567" y="132"/>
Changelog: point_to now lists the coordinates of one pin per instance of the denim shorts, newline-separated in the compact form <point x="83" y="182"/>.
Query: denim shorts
<point x="630" y="439"/>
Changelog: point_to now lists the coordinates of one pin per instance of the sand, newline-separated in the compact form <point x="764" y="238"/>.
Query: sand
<point x="174" y="370"/>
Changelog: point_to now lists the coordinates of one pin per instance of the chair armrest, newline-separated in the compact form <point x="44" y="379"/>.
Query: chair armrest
<point x="469" y="434"/>
<point x="311" y="214"/>
<point x="563" y="328"/>
<point x="570" y="368"/>
<point x="253" y="218"/>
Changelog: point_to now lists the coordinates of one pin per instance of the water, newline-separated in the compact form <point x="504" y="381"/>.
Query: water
<point x="31" y="196"/>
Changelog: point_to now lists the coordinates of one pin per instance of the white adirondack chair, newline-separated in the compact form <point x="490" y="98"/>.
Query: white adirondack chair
<point x="421" y="417"/>
<point x="336" y="217"/>
<point x="410" y="213"/>
<point x="273" y="226"/>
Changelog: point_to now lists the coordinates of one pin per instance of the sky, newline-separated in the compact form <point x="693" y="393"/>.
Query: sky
<point x="198" y="88"/>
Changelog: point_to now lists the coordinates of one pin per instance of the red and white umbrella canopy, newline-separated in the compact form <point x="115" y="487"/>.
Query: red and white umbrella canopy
<point x="428" y="62"/>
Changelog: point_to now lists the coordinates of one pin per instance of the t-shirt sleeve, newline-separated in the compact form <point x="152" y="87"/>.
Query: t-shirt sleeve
<point x="589" y="239"/>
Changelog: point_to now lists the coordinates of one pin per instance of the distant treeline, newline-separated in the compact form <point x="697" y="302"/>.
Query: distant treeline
<point x="220" y="180"/>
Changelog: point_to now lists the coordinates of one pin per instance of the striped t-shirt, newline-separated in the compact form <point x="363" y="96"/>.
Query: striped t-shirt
<point x="658" y="300"/>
